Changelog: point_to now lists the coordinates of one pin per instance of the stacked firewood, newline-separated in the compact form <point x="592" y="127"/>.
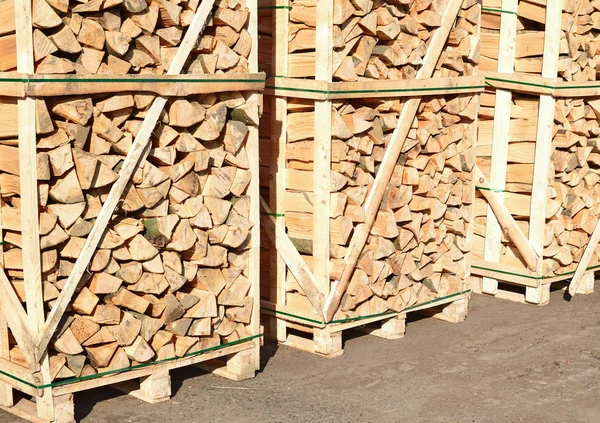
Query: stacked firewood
<point x="377" y="40"/>
<point x="573" y="192"/>
<point x="171" y="274"/>
<point x="578" y="47"/>
<point x="418" y="243"/>
<point x="131" y="36"/>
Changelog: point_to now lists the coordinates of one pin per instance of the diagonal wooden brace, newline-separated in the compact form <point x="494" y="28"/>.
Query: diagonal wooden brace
<point x="129" y="166"/>
<point x="506" y="221"/>
<point x="17" y="320"/>
<point x="585" y="260"/>
<point x="294" y="260"/>
<point x="394" y="148"/>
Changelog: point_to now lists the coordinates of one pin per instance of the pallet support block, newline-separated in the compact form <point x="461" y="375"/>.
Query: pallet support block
<point x="392" y="329"/>
<point x="239" y="366"/>
<point x="586" y="286"/>
<point x="455" y="312"/>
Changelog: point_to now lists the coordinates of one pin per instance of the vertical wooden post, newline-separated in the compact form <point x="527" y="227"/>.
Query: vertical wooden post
<point x="543" y="147"/>
<point x="277" y="166"/>
<point x="254" y="188"/>
<point x="29" y="200"/>
<point x="506" y="59"/>
<point x="6" y="392"/>
<point x="322" y="153"/>
<point x="474" y="128"/>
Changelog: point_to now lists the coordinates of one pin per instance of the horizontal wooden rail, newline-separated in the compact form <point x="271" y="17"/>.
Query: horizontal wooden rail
<point x="322" y="90"/>
<point x="21" y="85"/>
<point x="538" y="85"/>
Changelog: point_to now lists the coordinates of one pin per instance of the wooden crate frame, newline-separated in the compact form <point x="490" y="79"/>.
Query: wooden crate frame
<point x="488" y="273"/>
<point x="325" y="334"/>
<point x="53" y="402"/>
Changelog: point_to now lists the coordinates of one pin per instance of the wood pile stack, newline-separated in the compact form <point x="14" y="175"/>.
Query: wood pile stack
<point x="145" y="222"/>
<point x="128" y="37"/>
<point x="541" y="153"/>
<point x="391" y="89"/>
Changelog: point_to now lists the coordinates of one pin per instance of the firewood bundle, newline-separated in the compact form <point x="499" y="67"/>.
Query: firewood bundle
<point x="128" y="36"/>
<point x="573" y="191"/>
<point x="417" y="246"/>
<point x="578" y="47"/>
<point x="171" y="274"/>
<point x="377" y="40"/>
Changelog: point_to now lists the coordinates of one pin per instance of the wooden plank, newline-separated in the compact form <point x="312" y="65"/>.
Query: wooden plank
<point x="164" y="85"/>
<point x="293" y="260"/>
<point x="277" y="163"/>
<point x="588" y="253"/>
<point x="500" y="137"/>
<point x="508" y="224"/>
<point x="529" y="84"/>
<point x="545" y="131"/>
<point x="32" y="267"/>
<point x="17" y="320"/>
<point x="470" y="209"/>
<point x="322" y="148"/>
<point x="407" y="115"/>
<point x="129" y="165"/>
<point x="6" y="393"/>
<point x="322" y="90"/>
<point x="252" y="149"/>
<point x="507" y="274"/>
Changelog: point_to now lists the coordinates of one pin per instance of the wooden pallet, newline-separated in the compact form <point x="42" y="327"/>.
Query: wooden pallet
<point x="151" y="383"/>
<point x="308" y="334"/>
<point x="537" y="295"/>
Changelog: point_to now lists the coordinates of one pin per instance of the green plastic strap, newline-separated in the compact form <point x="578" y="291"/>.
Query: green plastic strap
<point x="510" y="81"/>
<point x="490" y="189"/>
<point x="274" y="7"/>
<point x="533" y="84"/>
<point x="136" y="367"/>
<point x="494" y="10"/>
<point x="355" y="319"/>
<point x="390" y="91"/>
<point x="504" y="272"/>
<point x="142" y="80"/>
<point x="273" y="214"/>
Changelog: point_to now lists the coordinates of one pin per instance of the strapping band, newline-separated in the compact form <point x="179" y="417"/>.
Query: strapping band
<point x="494" y="10"/>
<point x="490" y="189"/>
<point x="273" y="214"/>
<point x="274" y="7"/>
